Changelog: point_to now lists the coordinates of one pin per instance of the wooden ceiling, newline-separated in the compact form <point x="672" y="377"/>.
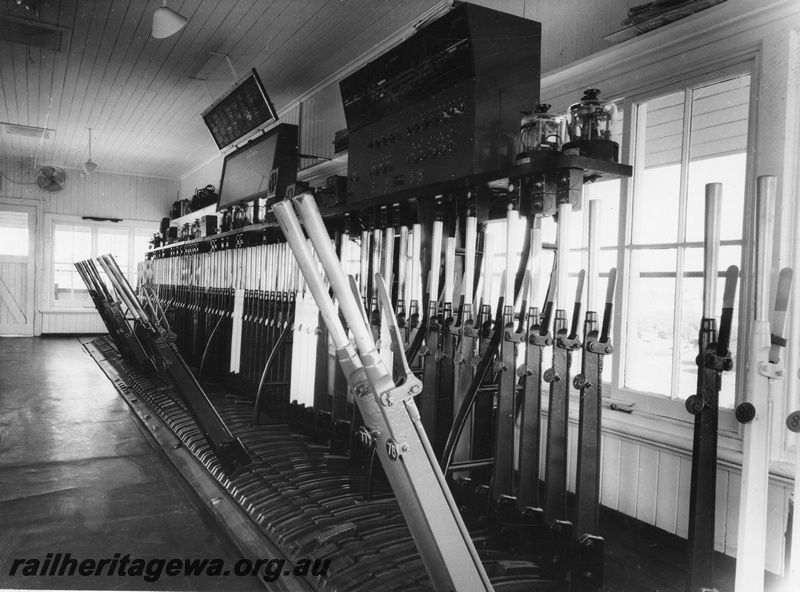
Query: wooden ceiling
<point x="140" y="95"/>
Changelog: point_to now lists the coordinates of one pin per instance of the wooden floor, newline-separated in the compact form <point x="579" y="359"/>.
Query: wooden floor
<point x="77" y="475"/>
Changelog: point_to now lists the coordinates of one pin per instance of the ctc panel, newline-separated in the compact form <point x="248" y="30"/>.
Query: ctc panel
<point x="443" y="104"/>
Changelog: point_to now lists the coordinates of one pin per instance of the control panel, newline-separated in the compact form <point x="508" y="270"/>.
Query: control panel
<point x="444" y="104"/>
<point x="428" y="142"/>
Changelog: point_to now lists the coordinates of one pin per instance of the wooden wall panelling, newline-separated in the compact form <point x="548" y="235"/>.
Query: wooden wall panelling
<point x="610" y="485"/>
<point x="321" y="117"/>
<point x="219" y="79"/>
<point x="326" y="40"/>
<point x="628" y="477"/>
<point x="72" y="323"/>
<point x="19" y="57"/>
<point x="118" y="42"/>
<point x="367" y="35"/>
<point x="105" y="22"/>
<point x="648" y="484"/>
<point x="180" y="99"/>
<point x="286" y="50"/>
<point x="8" y="104"/>
<point x="13" y="274"/>
<point x="732" y="512"/>
<point x="125" y="113"/>
<point x="52" y="77"/>
<point x="292" y="70"/>
<point x="137" y="54"/>
<point x="721" y="510"/>
<point x="684" y="486"/>
<point x="74" y="92"/>
<point x="666" y="516"/>
<point x="209" y="173"/>
<point x="777" y="508"/>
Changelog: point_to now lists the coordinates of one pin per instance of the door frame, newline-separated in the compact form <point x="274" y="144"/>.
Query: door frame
<point x="33" y="208"/>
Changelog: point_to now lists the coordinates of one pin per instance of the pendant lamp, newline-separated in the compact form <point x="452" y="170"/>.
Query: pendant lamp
<point x="89" y="166"/>
<point x="167" y="22"/>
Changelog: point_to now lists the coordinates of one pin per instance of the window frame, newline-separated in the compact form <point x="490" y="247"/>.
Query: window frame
<point x="633" y="147"/>
<point x="133" y="227"/>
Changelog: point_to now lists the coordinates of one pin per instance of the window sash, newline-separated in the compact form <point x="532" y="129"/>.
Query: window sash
<point x="132" y="237"/>
<point x="628" y="249"/>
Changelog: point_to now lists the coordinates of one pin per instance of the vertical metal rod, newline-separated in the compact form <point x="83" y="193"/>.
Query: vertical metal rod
<point x="449" y="269"/>
<point x="363" y="277"/>
<point x="751" y="548"/>
<point x="416" y="289"/>
<point x="488" y="269"/>
<point x="595" y="209"/>
<point x="512" y="219"/>
<point x="402" y="268"/>
<point x="711" y="248"/>
<point x="436" y="257"/>
<point x="704" y="448"/>
<point x="536" y="259"/>
<point x="561" y="299"/>
<point x="388" y="256"/>
<point x="471" y="234"/>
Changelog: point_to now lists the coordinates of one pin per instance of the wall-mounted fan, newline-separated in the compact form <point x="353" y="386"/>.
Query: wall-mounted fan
<point x="51" y="179"/>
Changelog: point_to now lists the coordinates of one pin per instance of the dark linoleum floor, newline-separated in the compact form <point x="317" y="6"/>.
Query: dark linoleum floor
<point x="78" y="476"/>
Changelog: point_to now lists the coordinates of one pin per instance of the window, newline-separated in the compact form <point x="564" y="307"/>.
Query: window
<point x="71" y="243"/>
<point x="74" y="242"/>
<point x="682" y="141"/>
<point x="13" y="234"/>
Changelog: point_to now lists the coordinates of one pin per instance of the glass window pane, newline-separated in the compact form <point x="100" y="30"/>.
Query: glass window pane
<point x="63" y="244"/>
<point x="115" y="242"/>
<point x="649" y="326"/>
<point x="542" y="281"/>
<point x="498" y="229"/>
<point x="655" y="208"/>
<point x="14" y="233"/>
<point x="141" y="240"/>
<point x="549" y="230"/>
<point x="608" y="194"/>
<point x="718" y="153"/>
<point x="692" y="313"/>
<point x="71" y="243"/>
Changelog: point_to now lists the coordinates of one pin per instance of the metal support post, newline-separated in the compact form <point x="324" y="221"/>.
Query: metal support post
<point x="765" y="371"/>
<point x="713" y="358"/>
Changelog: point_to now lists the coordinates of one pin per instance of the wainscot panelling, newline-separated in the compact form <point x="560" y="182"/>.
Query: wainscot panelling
<point x="72" y="323"/>
<point x="652" y="483"/>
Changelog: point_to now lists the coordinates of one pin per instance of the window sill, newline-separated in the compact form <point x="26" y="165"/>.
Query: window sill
<point x="637" y="424"/>
<point x="668" y="433"/>
<point x="70" y="310"/>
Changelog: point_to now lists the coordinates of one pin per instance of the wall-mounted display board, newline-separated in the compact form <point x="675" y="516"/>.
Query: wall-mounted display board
<point x="244" y="109"/>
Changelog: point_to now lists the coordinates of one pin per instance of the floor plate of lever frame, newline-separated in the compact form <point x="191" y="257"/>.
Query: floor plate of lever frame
<point x="307" y="503"/>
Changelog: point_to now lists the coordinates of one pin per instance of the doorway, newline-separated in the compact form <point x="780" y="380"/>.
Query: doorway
<point x="17" y="226"/>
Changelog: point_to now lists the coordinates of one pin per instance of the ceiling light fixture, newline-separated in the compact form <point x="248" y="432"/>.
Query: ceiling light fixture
<point x="89" y="166"/>
<point x="167" y="22"/>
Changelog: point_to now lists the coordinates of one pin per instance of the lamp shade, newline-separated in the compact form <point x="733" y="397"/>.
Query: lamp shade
<point x="89" y="167"/>
<point x="167" y="22"/>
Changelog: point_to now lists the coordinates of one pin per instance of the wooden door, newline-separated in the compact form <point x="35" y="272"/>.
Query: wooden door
<point x="17" y="224"/>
